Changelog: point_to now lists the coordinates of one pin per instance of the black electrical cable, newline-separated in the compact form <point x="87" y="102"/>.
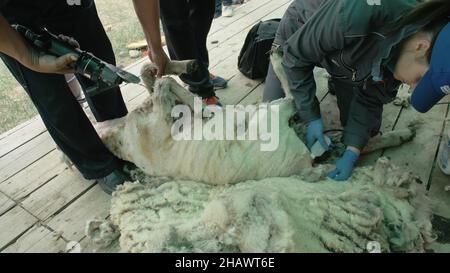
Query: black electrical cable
<point x="333" y="130"/>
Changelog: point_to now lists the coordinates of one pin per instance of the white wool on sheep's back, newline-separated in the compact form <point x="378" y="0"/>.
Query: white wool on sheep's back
<point x="380" y="203"/>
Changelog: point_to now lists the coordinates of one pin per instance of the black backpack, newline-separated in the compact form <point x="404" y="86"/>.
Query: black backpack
<point x="254" y="58"/>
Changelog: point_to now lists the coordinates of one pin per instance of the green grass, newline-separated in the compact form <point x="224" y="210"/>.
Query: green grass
<point x="122" y="27"/>
<point x="15" y="106"/>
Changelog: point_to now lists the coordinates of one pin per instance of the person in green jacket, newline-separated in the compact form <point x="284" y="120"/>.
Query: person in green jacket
<point x="369" y="47"/>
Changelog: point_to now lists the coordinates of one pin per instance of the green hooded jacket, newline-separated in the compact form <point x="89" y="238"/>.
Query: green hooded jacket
<point x="346" y="38"/>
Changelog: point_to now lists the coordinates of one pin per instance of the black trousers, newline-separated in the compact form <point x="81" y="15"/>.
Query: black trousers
<point x="186" y="25"/>
<point x="61" y="113"/>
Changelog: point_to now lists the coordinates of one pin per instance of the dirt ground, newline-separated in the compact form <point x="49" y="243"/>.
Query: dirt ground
<point x="122" y="27"/>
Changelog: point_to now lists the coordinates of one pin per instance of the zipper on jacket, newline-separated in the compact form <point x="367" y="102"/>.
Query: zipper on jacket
<point x="365" y="81"/>
<point x="354" y="71"/>
<point x="339" y="77"/>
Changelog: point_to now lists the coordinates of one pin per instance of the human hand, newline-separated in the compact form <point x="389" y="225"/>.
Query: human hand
<point x="45" y="63"/>
<point x="315" y="132"/>
<point x="344" y="166"/>
<point x="160" y="60"/>
<point x="50" y="64"/>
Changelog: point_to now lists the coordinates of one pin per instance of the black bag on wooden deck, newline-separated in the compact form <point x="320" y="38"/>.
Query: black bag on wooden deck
<point x="254" y="58"/>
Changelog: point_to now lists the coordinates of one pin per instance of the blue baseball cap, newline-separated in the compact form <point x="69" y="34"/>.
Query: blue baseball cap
<point x="435" y="84"/>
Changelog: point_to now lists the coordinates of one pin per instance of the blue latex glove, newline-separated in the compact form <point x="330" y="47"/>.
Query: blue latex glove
<point x="344" y="166"/>
<point x="314" y="132"/>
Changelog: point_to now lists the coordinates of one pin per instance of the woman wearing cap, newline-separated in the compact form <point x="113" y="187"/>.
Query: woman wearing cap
<point x="369" y="47"/>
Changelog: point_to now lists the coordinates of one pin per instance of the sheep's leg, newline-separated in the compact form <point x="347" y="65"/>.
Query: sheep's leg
<point x="164" y="99"/>
<point x="148" y="76"/>
<point x="184" y="97"/>
<point x="148" y="71"/>
<point x="181" y="67"/>
<point x="169" y="93"/>
<point x="276" y="58"/>
<point x="176" y="68"/>
<point x="391" y="139"/>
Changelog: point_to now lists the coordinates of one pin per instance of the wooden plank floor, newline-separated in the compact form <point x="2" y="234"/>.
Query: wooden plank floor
<point x="44" y="205"/>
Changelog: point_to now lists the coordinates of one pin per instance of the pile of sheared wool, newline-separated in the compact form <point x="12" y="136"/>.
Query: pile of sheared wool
<point x="379" y="204"/>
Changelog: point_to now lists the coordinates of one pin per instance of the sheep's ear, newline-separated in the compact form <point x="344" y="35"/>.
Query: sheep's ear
<point x="148" y="76"/>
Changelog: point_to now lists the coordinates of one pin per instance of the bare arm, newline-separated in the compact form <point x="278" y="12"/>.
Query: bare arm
<point x="148" y="14"/>
<point x="13" y="45"/>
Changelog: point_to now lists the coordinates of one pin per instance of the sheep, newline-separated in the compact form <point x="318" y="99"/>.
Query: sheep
<point x="250" y="200"/>
<point x="145" y="137"/>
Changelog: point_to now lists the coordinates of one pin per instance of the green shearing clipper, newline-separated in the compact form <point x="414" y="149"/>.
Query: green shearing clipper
<point x="105" y="75"/>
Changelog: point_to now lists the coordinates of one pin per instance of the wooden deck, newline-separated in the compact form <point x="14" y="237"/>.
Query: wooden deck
<point x="44" y="205"/>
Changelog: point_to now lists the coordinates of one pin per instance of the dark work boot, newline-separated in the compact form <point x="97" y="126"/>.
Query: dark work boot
<point x="110" y="182"/>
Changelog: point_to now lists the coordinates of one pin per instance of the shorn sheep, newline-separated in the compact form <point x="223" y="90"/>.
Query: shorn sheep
<point x="145" y="137"/>
<point x="230" y="196"/>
